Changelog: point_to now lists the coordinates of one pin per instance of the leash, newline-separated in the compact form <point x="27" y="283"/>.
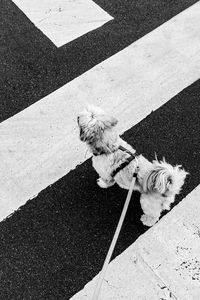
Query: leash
<point x="126" y="150"/>
<point x="126" y="162"/>
<point x="114" y="240"/>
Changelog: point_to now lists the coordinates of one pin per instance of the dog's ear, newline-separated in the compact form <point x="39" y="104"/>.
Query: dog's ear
<point x="82" y="135"/>
<point x="81" y="131"/>
<point x="90" y="134"/>
<point x="110" y="122"/>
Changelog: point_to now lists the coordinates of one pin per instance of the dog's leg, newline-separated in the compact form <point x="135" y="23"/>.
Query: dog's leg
<point x="103" y="183"/>
<point x="152" y="208"/>
<point x="149" y="220"/>
<point x="167" y="203"/>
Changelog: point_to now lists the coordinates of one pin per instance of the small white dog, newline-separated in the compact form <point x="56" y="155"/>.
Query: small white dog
<point x="117" y="162"/>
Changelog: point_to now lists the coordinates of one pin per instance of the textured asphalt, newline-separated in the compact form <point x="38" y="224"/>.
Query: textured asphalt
<point x="53" y="245"/>
<point x="31" y="66"/>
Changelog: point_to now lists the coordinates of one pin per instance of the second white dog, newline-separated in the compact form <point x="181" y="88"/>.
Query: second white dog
<point x="117" y="162"/>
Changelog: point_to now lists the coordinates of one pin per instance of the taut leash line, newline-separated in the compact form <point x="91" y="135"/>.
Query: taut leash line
<point x="113" y="243"/>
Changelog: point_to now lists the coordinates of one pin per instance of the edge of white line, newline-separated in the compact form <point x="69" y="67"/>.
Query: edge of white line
<point x="40" y="144"/>
<point x="163" y="263"/>
<point x="63" y="21"/>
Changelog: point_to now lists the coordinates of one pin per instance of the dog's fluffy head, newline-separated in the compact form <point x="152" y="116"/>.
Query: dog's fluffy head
<point x="164" y="179"/>
<point x="96" y="130"/>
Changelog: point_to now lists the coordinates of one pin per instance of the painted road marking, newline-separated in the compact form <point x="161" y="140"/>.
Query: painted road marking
<point x="163" y="263"/>
<point x="63" y="21"/>
<point x="47" y="67"/>
<point x="42" y="144"/>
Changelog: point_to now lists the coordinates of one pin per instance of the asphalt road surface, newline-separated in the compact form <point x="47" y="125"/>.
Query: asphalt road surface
<point x="54" y="244"/>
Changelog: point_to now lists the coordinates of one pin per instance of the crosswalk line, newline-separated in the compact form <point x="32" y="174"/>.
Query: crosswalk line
<point x="40" y="144"/>
<point x="162" y="264"/>
<point x="64" y="21"/>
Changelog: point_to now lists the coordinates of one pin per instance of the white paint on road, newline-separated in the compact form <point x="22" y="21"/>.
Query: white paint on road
<point x="40" y="144"/>
<point x="62" y="21"/>
<point x="163" y="263"/>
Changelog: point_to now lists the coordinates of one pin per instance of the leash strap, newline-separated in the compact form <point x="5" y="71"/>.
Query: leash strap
<point x="113" y="243"/>
<point x="126" y="162"/>
<point x="126" y="150"/>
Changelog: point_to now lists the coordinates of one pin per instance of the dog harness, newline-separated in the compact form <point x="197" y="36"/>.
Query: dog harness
<point x="126" y="162"/>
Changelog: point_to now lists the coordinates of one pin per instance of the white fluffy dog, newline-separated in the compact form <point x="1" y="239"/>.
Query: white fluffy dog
<point x="117" y="162"/>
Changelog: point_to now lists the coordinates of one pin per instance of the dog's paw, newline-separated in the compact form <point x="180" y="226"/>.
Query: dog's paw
<point x="166" y="206"/>
<point x="148" y="220"/>
<point x="103" y="184"/>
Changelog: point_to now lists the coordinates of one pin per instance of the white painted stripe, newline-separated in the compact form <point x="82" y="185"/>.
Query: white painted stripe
<point x="62" y="21"/>
<point x="40" y="144"/>
<point x="163" y="263"/>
